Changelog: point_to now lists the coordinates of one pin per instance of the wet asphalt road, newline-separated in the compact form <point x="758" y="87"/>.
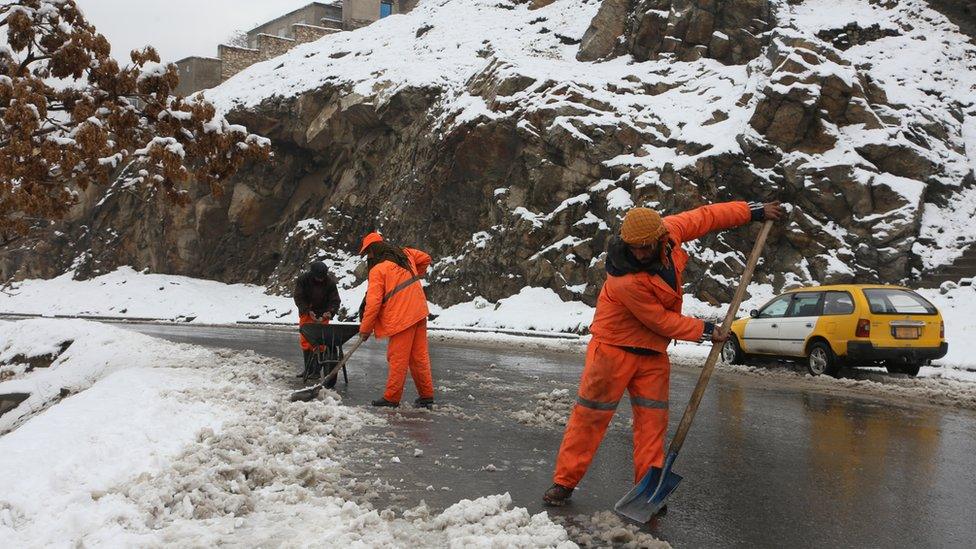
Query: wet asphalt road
<point x="764" y="466"/>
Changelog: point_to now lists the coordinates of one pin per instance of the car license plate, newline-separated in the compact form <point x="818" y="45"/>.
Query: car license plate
<point x="906" y="332"/>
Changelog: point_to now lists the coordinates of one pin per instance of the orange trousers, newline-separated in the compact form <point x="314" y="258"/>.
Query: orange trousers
<point x="304" y="319"/>
<point x="407" y="350"/>
<point x="608" y="371"/>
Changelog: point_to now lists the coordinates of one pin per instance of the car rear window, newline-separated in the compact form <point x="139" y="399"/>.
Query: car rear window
<point x="885" y="301"/>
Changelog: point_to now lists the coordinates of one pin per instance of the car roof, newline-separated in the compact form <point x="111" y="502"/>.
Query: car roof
<point x="845" y="287"/>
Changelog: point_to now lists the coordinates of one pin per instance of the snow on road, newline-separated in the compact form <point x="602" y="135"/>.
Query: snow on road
<point x="127" y="293"/>
<point x="199" y="447"/>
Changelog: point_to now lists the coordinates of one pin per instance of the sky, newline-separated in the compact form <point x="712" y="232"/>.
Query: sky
<point x="178" y="28"/>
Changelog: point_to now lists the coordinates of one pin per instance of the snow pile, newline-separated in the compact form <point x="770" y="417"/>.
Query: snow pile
<point x="532" y="309"/>
<point x="549" y="409"/>
<point x="131" y="294"/>
<point x="606" y="529"/>
<point x="69" y="356"/>
<point x="203" y="448"/>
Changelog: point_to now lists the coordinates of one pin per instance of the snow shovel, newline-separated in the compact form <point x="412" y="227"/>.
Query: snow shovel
<point x="310" y="393"/>
<point x="652" y="492"/>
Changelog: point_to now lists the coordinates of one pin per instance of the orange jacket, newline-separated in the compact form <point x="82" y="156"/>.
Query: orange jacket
<point x="642" y="310"/>
<point x="402" y="310"/>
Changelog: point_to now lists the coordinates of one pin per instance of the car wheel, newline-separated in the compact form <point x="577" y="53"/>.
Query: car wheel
<point x="821" y="360"/>
<point x="911" y="369"/>
<point x="732" y="352"/>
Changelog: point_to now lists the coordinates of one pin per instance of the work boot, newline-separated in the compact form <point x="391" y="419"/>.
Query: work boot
<point x="424" y="402"/>
<point x="382" y="402"/>
<point x="557" y="496"/>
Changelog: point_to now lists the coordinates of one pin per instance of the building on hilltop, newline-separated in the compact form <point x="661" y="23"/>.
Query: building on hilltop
<point x="275" y="37"/>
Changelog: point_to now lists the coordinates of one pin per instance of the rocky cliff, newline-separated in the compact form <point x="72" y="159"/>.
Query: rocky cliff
<point x="509" y="138"/>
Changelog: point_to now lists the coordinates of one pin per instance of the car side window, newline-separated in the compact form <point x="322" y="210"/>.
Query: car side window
<point x="838" y="303"/>
<point x="805" y="304"/>
<point x="777" y="307"/>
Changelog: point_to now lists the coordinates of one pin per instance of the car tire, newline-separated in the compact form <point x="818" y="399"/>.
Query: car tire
<point x="911" y="369"/>
<point x="732" y="351"/>
<point x="822" y="360"/>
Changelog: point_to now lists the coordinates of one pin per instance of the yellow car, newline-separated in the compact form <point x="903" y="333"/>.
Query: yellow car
<point x="829" y="326"/>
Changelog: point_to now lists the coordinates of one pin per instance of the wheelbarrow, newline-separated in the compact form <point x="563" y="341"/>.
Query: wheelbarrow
<point x="326" y="340"/>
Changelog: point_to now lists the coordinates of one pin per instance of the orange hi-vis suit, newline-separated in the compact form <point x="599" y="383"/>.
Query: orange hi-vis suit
<point x="402" y="318"/>
<point x="637" y="316"/>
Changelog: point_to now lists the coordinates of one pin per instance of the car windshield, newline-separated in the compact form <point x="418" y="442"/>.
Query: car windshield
<point x="884" y="301"/>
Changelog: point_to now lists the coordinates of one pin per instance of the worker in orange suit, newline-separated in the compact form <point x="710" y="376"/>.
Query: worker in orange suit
<point x="638" y="314"/>
<point x="396" y="307"/>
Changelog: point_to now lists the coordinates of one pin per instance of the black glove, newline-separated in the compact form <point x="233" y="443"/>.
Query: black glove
<point x="758" y="211"/>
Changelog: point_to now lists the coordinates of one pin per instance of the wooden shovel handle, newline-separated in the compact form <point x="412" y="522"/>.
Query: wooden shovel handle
<point x="706" y="373"/>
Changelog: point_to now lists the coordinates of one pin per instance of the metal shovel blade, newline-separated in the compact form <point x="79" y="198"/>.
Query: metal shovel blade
<point x="643" y="501"/>
<point x="306" y="394"/>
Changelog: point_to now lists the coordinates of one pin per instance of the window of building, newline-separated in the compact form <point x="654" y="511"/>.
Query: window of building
<point x="386" y="8"/>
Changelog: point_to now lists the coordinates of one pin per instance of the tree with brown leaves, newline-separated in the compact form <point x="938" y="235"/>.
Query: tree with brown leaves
<point x="71" y="116"/>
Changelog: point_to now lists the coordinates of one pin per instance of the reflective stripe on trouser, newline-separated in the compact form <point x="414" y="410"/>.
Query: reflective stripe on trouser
<point x="608" y="371"/>
<point x="407" y="350"/>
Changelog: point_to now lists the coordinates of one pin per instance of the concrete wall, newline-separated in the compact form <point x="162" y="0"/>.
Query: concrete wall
<point x="234" y="59"/>
<point x="197" y="73"/>
<point x="359" y="13"/>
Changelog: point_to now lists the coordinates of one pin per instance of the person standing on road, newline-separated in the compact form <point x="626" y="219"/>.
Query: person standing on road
<point x="317" y="299"/>
<point x="638" y="313"/>
<point x="396" y="307"/>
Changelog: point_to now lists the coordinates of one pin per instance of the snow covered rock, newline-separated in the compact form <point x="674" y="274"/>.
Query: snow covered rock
<point x="494" y="147"/>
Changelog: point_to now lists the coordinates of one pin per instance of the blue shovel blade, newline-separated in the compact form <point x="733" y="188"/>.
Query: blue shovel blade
<point x="644" y="500"/>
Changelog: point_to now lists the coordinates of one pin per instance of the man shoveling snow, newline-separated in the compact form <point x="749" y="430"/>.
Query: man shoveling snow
<point x="637" y="315"/>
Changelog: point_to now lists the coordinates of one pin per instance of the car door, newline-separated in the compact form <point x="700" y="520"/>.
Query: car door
<point x="762" y="332"/>
<point x="800" y="321"/>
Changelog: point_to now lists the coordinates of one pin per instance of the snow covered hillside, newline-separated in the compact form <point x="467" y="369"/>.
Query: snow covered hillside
<point x="156" y="443"/>
<point x="472" y="129"/>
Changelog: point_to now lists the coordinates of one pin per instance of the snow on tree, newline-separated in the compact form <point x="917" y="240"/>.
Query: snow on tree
<point x="71" y="116"/>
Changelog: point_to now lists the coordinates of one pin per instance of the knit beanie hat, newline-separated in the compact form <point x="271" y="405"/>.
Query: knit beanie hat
<point x="642" y="227"/>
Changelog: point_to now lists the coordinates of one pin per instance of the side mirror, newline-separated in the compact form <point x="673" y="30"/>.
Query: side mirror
<point x="754" y="313"/>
